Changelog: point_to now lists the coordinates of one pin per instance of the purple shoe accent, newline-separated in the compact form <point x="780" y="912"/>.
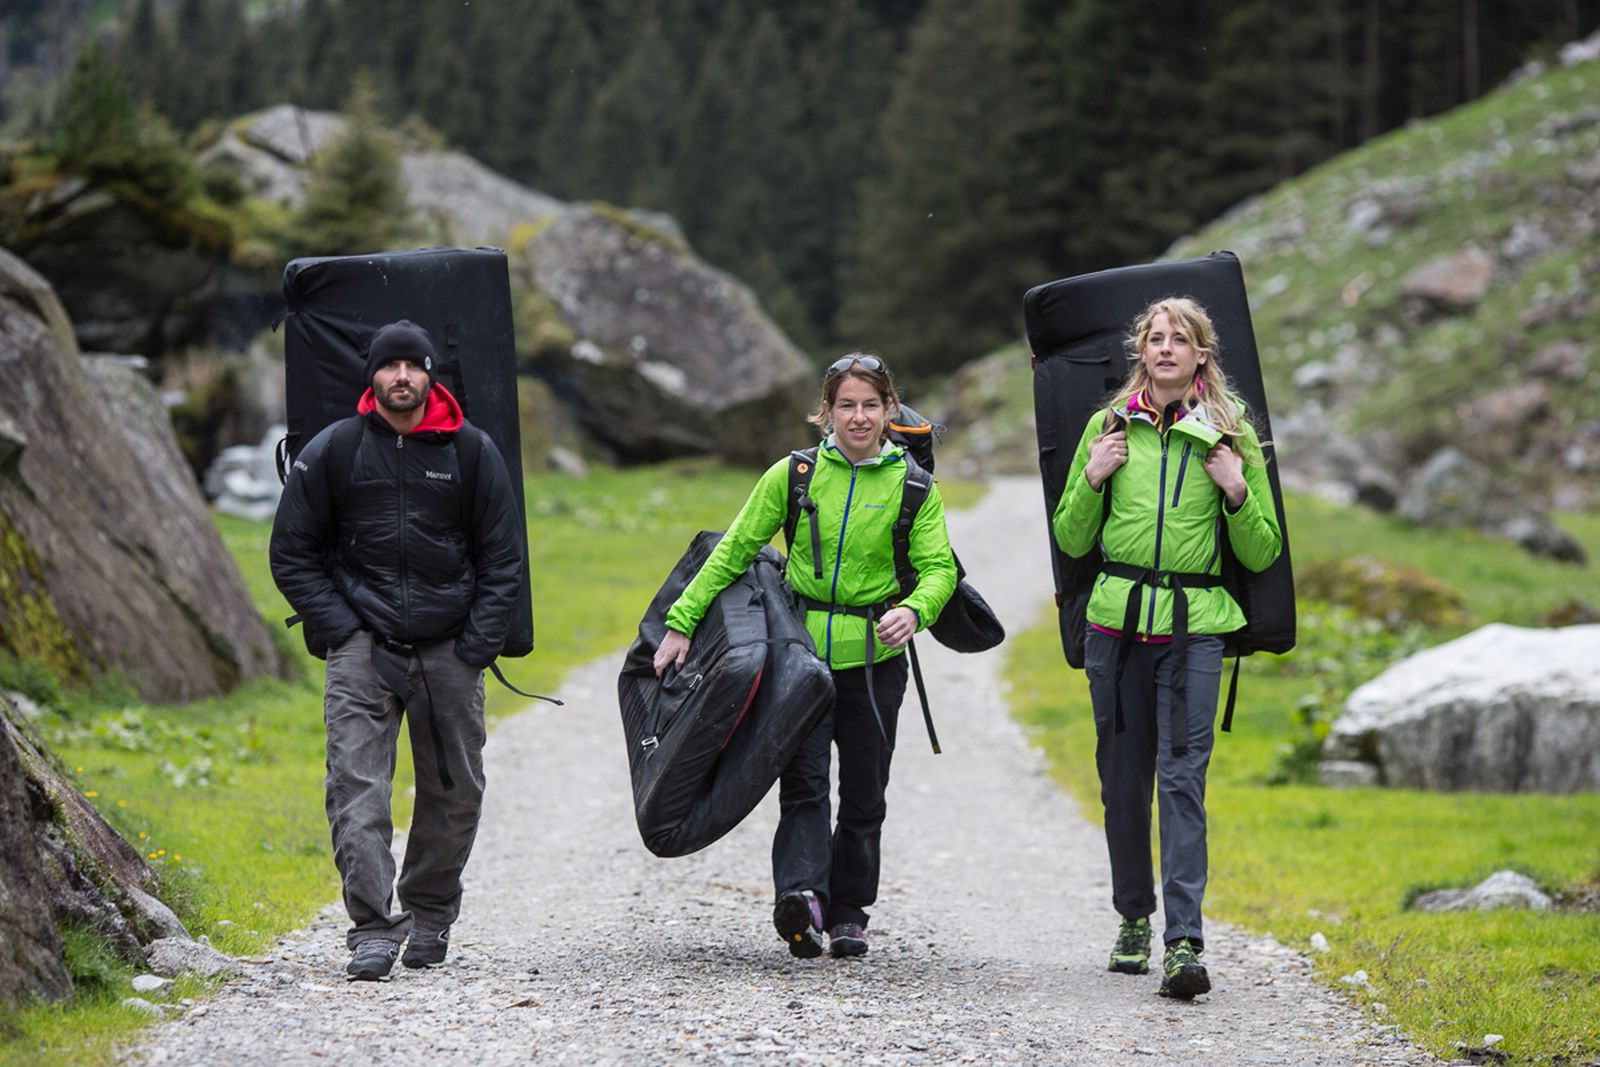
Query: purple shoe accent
<point x="847" y="939"/>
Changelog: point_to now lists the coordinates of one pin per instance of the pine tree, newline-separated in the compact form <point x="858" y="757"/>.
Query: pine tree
<point x="354" y="201"/>
<point x="937" y="278"/>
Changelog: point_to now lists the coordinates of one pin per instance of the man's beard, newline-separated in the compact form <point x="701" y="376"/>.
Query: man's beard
<point x="385" y="399"/>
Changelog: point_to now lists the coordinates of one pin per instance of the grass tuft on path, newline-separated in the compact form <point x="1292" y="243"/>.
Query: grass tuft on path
<point x="1293" y="860"/>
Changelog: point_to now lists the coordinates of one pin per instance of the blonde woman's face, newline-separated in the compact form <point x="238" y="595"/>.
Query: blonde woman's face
<point x="859" y="419"/>
<point x="1169" y="355"/>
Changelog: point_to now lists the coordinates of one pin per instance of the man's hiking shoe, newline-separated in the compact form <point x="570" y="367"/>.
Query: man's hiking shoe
<point x="372" y="960"/>
<point x="1132" y="952"/>
<point x="1182" y="974"/>
<point x="847" y="939"/>
<point x="426" y="947"/>
<point x="798" y="918"/>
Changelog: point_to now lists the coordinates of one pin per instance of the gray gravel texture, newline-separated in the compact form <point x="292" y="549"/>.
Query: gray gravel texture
<point x="988" y="942"/>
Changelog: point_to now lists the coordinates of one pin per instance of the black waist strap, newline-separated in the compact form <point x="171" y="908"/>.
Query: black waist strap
<point x="1178" y="582"/>
<point x="872" y="613"/>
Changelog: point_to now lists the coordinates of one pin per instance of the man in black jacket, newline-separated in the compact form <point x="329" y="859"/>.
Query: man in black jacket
<point x="396" y="540"/>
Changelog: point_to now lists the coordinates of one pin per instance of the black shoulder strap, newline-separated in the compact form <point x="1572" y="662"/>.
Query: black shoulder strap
<point x="912" y="495"/>
<point x="802" y="465"/>
<point x="469" y="446"/>
<point x="342" y="448"/>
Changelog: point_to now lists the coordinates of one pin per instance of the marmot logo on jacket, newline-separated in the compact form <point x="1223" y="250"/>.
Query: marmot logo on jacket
<point x="438" y="474"/>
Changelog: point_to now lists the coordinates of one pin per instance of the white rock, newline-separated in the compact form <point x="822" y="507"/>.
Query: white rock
<point x="150" y="983"/>
<point x="1502" y="889"/>
<point x="1319" y="942"/>
<point x="172" y="956"/>
<point x="1492" y="1040"/>
<point x="1359" y="980"/>
<point x="1504" y="708"/>
<point x="139" y="1004"/>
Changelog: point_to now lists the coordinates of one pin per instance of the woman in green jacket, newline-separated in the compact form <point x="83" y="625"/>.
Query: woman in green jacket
<point x="1181" y="463"/>
<point x="827" y="877"/>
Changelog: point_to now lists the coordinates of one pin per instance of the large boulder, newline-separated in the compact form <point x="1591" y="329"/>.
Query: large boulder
<point x="1453" y="489"/>
<point x="139" y="277"/>
<point x="669" y="355"/>
<point x="1502" y="709"/>
<point x="63" y="863"/>
<point x="108" y="556"/>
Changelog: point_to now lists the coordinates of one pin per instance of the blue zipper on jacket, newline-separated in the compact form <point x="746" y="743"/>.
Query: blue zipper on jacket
<point x="1177" y="489"/>
<point x="838" y="558"/>
<point x="1161" y="522"/>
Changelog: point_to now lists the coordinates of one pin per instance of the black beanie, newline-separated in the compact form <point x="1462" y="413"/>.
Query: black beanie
<point x="401" y="340"/>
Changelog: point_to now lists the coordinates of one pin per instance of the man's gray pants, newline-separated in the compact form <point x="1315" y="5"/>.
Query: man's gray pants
<point x="1132" y="762"/>
<point x="363" y="719"/>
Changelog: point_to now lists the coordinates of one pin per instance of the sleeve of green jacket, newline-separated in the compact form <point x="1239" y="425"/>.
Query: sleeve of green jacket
<point x="1077" y="519"/>
<point x="756" y="524"/>
<point x="933" y="559"/>
<point x="1253" y="530"/>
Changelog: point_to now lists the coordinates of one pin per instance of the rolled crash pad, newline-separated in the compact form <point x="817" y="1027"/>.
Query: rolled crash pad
<point x="707" y="742"/>
<point x="1076" y="329"/>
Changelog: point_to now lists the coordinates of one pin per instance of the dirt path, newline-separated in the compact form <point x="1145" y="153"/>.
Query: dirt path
<point x="988" y="942"/>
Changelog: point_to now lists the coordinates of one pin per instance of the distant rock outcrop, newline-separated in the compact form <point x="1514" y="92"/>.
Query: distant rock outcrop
<point x="1501" y="709"/>
<point x="108" y="557"/>
<point x="672" y="356"/>
<point x="659" y="354"/>
<point x="1452" y="489"/>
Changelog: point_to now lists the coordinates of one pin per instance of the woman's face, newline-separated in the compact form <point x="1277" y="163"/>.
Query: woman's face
<point x="859" y="419"/>
<point x="1169" y="355"/>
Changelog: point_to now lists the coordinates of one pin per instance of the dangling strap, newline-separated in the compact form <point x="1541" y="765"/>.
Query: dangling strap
<point x="494" y="668"/>
<point x="922" y="694"/>
<point x="1233" y="692"/>
<point x="395" y="679"/>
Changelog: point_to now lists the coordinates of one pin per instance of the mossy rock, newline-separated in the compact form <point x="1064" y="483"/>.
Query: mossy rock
<point x="1378" y="589"/>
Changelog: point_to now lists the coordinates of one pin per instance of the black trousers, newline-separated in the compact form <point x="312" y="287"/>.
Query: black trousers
<point x="841" y="865"/>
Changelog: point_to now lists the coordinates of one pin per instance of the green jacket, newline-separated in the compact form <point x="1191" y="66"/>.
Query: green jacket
<point x="856" y="509"/>
<point x="1164" y="515"/>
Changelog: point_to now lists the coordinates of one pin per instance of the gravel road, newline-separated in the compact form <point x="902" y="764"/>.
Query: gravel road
<point x="988" y="943"/>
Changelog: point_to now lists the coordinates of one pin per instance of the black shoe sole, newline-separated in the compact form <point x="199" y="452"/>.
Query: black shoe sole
<point x="1130" y="968"/>
<point x="1187" y="984"/>
<point x="844" y="947"/>
<point x="418" y="962"/>
<point x="791" y="917"/>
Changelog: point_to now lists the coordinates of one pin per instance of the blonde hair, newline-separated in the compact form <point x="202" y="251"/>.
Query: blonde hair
<point x="1225" y="407"/>
<point x="880" y="380"/>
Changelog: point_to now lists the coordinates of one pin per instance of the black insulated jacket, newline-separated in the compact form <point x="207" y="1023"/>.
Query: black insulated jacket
<point x="402" y="548"/>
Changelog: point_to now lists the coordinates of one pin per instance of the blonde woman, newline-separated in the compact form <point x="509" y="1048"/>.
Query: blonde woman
<point x="1182" y="465"/>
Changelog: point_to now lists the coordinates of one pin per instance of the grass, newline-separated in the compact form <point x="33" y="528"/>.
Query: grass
<point x="225" y="796"/>
<point x="1297" y="859"/>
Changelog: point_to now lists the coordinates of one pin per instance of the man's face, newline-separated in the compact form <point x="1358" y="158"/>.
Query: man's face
<point x="400" y="386"/>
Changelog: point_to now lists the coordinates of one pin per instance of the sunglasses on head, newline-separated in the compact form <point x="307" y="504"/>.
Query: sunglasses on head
<point x="871" y="363"/>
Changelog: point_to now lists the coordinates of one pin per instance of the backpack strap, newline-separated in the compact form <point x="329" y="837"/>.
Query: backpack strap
<point x="802" y="465"/>
<point x="341" y="458"/>
<point x="469" y="446"/>
<point x="912" y="495"/>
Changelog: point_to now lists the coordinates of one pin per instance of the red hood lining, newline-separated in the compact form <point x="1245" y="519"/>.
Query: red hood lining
<point x="441" y="412"/>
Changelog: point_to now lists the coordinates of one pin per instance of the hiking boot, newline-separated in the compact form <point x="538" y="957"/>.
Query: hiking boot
<point x="426" y="947"/>
<point x="1132" y="952"/>
<point x="372" y="960"/>
<point x="1182" y="974"/>
<point x="847" y="939"/>
<point x="798" y="918"/>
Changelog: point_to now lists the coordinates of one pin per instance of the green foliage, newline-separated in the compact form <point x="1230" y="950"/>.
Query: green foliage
<point x="1398" y="597"/>
<point x="94" y="965"/>
<point x="1338" y="650"/>
<point x="104" y="137"/>
<point x="354" y="200"/>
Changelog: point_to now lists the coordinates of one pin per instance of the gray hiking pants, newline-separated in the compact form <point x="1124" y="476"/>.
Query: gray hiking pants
<point x="1140" y="757"/>
<point x="363" y="718"/>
